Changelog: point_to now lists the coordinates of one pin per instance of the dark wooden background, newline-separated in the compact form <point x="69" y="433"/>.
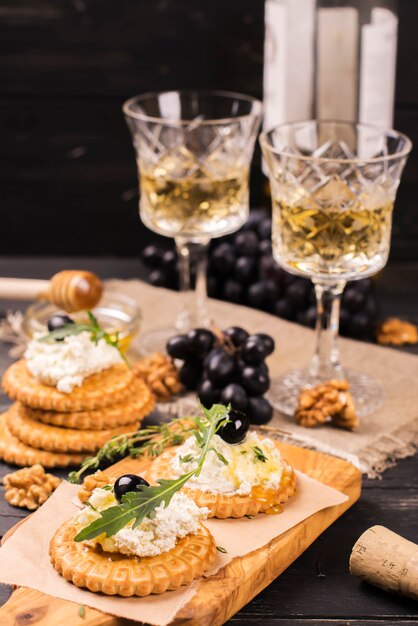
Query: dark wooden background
<point x="67" y="172"/>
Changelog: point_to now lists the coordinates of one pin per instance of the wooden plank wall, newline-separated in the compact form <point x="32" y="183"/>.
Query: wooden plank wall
<point x="67" y="173"/>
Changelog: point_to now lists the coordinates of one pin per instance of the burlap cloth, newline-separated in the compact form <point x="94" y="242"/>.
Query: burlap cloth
<point x="384" y="436"/>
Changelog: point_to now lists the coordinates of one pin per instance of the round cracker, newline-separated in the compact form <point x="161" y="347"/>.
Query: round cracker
<point x="228" y="505"/>
<point x="137" y="405"/>
<point x="117" y="574"/>
<point x="17" y="453"/>
<point x="56" y="439"/>
<point x="98" y="390"/>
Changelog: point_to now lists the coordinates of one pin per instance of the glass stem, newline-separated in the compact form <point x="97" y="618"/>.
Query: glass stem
<point x="325" y="364"/>
<point x="194" y="311"/>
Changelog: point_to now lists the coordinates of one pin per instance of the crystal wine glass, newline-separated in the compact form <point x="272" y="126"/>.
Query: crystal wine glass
<point x="333" y="188"/>
<point x="193" y="151"/>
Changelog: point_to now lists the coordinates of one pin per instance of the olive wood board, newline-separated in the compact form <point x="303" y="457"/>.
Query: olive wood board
<point x="222" y="595"/>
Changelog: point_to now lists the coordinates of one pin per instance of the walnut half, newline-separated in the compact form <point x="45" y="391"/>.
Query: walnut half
<point x="160" y="374"/>
<point x="98" y="479"/>
<point x="29" y="487"/>
<point x="396" y="332"/>
<point x="330" y="401"/>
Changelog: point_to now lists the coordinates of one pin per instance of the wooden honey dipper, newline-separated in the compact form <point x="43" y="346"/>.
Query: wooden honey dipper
<point x="71" y="290"/>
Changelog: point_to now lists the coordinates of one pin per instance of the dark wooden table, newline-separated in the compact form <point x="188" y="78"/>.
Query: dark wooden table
<point x="317" y="588"/>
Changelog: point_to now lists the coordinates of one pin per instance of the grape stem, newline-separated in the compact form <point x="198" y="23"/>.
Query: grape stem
<point x="223" y="340"/>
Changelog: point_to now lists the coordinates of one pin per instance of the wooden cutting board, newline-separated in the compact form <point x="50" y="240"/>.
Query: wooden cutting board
<point x="220" y="596"/>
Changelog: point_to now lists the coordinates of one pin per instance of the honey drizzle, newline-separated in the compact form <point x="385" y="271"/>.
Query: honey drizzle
<point x="269" y="496"/>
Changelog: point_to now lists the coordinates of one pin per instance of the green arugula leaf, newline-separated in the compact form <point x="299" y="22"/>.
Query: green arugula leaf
<point x="216" y="416"/>
<point x="66" y="331"/>
<point x="93" y="319"/>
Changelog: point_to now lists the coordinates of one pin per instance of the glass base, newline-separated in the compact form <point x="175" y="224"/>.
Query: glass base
<point x="155" y="340"/>
<point x="284" y="392"/>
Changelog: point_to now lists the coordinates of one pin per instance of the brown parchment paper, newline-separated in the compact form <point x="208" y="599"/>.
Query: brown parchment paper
<point x="24" y="559"/>
<point x="389" y="433"/>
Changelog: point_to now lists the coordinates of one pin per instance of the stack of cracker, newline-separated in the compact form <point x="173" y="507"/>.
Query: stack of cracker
<point x="59" y="429"/>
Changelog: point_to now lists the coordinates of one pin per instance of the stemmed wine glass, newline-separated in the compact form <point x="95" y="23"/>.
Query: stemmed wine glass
<point x="193" y="151"/>
<point x="333" y="187"/>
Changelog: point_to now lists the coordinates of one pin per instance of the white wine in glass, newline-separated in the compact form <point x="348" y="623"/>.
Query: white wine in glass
<point x="333" y="188"/>
<point x="193" y="151"/>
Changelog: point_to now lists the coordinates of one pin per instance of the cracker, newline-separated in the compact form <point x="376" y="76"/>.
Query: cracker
<point x="17" y="453"/>
<point x="56" y="439"/>
<point x="117" y="574"/>
<point x="137" y="405"/>
<point x="99" y="390"/>
<point x="229" y="505"/>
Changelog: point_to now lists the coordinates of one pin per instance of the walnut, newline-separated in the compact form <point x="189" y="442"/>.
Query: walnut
<point x="327" y="402"/>
<point x="397" y="332"/>
<point x="160" y="374"/>
<point x="98" y="479"/>
<point x="29" y="487"/>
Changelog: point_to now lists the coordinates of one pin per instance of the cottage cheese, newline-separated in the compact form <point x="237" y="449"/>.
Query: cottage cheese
<point x="153" y="536"/>
<point x="65" y="364"/>
<point x="243" y="471"/>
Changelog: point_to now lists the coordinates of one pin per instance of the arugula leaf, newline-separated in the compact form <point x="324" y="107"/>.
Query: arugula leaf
<point x="93" y="319"/>
<point x="217" y="415"/>
<point x="66" y="331"/>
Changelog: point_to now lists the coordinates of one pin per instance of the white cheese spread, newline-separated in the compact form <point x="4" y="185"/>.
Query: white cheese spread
<point x="245" y="467"/>
<point x="152" y="536"/>
<point x="65" y="364"/>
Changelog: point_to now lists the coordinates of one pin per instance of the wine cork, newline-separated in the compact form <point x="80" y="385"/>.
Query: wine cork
<point x="387" y="560"/>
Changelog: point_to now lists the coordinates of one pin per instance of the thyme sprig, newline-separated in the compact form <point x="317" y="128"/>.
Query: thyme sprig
<point x="96" y="333"/>
<point x="152" y="441"/>
<point x="136" y="505"/>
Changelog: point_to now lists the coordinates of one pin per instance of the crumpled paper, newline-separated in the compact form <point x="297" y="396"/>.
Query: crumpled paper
<point x="28" y="549"/>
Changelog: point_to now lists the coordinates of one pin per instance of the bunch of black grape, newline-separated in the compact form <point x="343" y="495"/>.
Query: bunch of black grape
<point x="242" y="270"/>
<point x="226" y="368"/>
